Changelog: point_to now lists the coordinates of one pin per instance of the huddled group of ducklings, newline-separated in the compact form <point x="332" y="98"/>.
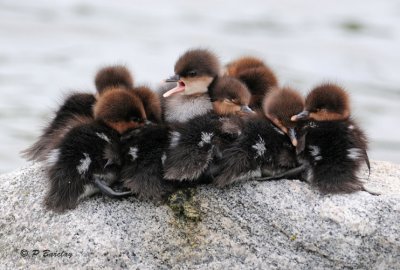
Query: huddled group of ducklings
<point x="205" y="125"/>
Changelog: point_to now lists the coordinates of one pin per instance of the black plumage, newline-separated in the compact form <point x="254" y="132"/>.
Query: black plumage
<point x="75" y="109"/>
<point x="334" y="146"/>
<point x="196" y="144"/>
<point x="89" y="154"/>
<point x="143" y="152"/>
<point x="265" y="146"/>
<point x="191" y="149"/>
<point x="333" y="154"/>
<point x="261" y="149"/>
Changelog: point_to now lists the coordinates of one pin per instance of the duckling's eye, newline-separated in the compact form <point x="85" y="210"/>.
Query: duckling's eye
<point x="192" y="73"/>
<point x="228" y="100"/>
<point x="136" y="119"/>
<point x="232" y="100"/>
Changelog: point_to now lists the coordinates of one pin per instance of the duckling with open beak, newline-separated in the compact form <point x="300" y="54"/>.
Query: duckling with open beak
<point x="159" y="158"/>
<point x="194" y="144"/>
<point x="195" y="73"/>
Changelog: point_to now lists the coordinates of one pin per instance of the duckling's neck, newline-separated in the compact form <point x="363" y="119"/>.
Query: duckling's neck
<point x="181" y="108"/>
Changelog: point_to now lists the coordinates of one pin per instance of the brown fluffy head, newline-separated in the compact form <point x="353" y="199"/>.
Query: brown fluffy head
<point x="120" y="109"/>
<point x="151" y="103"/>
<point x="259" y="81"/>
<point x="246" y="62"/>
<point x="197" y="62"/>
<point x="280" y="105"/>
<point x="328" y="102"/>
<point x="230" y="96"/>
<point x="195" y="70"/>
<point x="113" y="76"/>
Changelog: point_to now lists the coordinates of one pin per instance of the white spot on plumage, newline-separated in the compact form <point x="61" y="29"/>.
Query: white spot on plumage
<point x="205" y="138"/>
<point x="351" y="127"/>
<point x="314" y="150"/>
<point x="354" y="153"/>
<point x="175" y="137"/>
<point x="83" y="167"/>
<point x="312" y="124"/>
<point x="163" y="158"/>
<point x="52" y="157"/>
<point x="103" y="136"/>
<point x="259" y="146"/>
<point x="133" y="152"/>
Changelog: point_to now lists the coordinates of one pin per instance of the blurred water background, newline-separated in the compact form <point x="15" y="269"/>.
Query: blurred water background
<point x="49" y="48"/>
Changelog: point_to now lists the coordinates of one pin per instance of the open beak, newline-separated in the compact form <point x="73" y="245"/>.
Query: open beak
<point x="246" y="109"/>
<point x="180" y="86"/>
<point x="292" y="135"/>
<point x="174" y="78"/>
<point x="304" y="115"/>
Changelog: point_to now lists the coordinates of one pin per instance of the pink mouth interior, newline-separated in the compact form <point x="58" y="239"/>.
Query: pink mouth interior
<point x="180" y="87"/>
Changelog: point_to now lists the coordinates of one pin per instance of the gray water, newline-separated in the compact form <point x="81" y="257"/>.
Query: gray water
<point x="49" y="48"/>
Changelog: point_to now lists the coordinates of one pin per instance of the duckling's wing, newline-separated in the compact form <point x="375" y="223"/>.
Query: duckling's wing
<point x="142" y="172"/>
<point x="191" y="149"/>
<point x="77" y="108"/>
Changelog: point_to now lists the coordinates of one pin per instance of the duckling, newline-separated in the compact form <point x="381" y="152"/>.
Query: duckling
<point x="120" y="77"/>
<point x="156" y="154"/>
<point x="229" y="96"/>
<point x="194" y="145"/>
<point x="75" y="110"/>
<point x="90" y="152"/>
<point x="256" y="75"/>
<point x="195" y="74"/>
<point x="265" y="146"/>
<point x="335" y="146"/>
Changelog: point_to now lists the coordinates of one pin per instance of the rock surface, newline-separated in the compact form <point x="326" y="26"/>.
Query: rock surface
<point x="271" y="225"/>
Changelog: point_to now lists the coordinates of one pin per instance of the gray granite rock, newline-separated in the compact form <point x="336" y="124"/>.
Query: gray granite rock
<point x="271" y="225"/>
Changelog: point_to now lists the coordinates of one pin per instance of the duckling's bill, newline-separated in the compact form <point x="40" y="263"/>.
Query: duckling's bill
<point x="304" y="115"/>
<point x="180" y="87"/>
